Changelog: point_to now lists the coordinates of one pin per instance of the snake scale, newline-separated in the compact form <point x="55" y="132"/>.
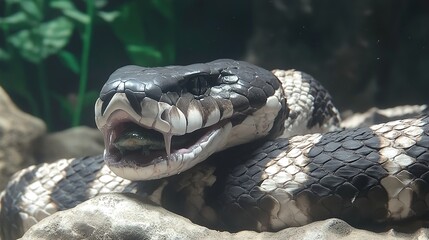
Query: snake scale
<point x="233" y="146"/>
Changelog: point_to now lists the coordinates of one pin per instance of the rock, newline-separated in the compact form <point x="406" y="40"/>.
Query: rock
<point x="376" y="115"/>
<point x="124" y="216"/>
<point x="74" y="142"/>
<point x="18" y="134"/>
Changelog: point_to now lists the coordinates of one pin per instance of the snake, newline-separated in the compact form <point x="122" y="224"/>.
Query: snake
<point x="232" y="146"/>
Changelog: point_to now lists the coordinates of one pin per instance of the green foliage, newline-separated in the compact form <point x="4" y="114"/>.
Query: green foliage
<point x="37" y="43"/>
<point x="137" y="37"/>
<point x="35" y="32"/>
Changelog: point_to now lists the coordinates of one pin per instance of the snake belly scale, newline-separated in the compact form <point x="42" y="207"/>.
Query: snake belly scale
<point x="182" y="134"/>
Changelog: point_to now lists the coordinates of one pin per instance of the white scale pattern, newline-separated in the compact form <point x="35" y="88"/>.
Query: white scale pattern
<point x="285" y="176"/>
<point x="301" y="104"/>
<point x="395" y="138"/>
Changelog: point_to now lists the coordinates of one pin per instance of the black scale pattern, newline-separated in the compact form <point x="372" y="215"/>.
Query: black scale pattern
<point x="344" y="175"/>
<point x="241" y="84"/>
<point x="338" y="174"/>
<point x="323" y="106"/>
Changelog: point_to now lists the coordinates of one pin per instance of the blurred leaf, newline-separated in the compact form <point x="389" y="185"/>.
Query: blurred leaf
<point x="145" y="51"/>
<point x="130" y="17"/>
<point x="69" y="10"/>
<point x="14" y="19"/>
<point x="32" y="9"/>
<point x="135" y="19"/>
<point x="77" y="15"/>
<point x="25" y="45"/>
<point x="100" y="3"/>
<point x="108" y="16"/>
<point x="165" y="7"/>
<point x="48" y="38"/>
<point x="4" y="55"/>
<point x="70" y="61"/>
<point x="62" y="4"/>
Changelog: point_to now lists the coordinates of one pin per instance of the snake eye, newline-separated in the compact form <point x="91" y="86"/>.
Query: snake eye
<point x="197" y="85"/>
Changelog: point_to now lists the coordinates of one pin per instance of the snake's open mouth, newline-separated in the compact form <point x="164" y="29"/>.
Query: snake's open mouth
<point x="140" y="146"/>
<point x="137" y="152"/>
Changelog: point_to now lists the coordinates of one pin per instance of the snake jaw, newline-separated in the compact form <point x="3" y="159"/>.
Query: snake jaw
<point x="149" y="160"/>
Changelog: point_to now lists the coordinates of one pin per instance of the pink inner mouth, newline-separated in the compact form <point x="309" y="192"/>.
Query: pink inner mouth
<point x="154" y="149"/>
<point x="144" y="155"/>
<point x="139" y="155"/>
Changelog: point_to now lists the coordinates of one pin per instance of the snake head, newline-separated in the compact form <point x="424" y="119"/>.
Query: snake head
<point x="162" y="121"/>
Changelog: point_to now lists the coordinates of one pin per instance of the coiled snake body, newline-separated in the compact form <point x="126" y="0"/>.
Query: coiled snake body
<point x="159" y="123"/>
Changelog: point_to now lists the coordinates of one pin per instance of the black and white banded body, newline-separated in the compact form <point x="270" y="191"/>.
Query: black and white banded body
<point x="224" y="144"/>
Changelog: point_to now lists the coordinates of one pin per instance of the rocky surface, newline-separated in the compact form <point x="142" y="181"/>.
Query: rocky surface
<point x="376" y="115"/>
<point x="24" y="142"/>
<point x="19" y="132"/>
<point x="120" y="216"/>
<point x="74" y="142"/>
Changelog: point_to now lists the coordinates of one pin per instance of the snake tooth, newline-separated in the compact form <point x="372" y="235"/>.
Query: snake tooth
<point x="210" y="110"/>
<point x="194" y="116"/>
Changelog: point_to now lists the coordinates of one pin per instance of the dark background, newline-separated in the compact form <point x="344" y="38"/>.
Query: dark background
<point x="366" y="53"/>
